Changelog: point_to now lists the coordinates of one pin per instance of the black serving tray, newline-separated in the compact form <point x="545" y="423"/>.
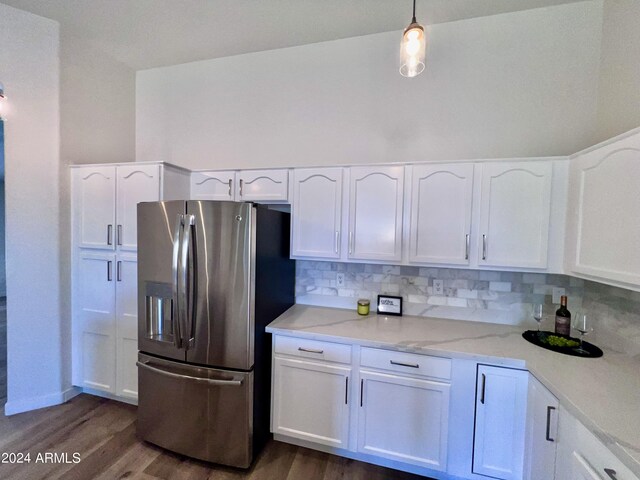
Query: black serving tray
<point x="536" y="337"/>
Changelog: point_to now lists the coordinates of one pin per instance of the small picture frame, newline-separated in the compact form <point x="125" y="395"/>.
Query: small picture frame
<point x="389" y="305"/>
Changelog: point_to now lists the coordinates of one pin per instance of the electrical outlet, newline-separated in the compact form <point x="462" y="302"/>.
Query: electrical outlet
<point x="340" y="279"/>
<point x="438" y="287"/>
<point x="557" y="293"/>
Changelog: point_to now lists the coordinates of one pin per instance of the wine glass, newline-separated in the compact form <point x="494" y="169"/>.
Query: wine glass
<point x="583" y="324"/>
<point x="537" y="313"/>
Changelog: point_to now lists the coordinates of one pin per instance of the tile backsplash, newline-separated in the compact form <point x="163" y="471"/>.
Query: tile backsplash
<point x="499" y="297"/>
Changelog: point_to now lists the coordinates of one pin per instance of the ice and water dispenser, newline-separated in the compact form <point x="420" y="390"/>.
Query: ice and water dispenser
<point x="159" y="312"/>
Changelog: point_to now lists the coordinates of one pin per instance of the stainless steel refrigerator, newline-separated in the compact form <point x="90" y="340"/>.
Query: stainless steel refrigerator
<point x="211" y="276"/>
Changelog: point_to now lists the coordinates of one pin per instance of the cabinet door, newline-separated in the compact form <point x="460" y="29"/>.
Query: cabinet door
<point x="311" y="401"/>
<point x="542" y="432"/>
<point x="263" y="185"/>
<point x="404" y="419"/>
<point x="94" y="212"/>
<point x="213" y="185"/>
<point x="514" y="214"/>
<point x="375" y="213"/>
<point x="441" y="201"/>
<point x="95" y="314"/>
<point x="608" y="225"/>
<point x="581" y="470"/>
<point x="126" y="326"/>
<point x="501" y="409"/>
<point x="316" y="212"/>
<point x="137" y="183"/>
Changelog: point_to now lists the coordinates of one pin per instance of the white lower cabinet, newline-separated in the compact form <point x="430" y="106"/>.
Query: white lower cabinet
<point x="501" y="409"/>
<point x="542" y="432"/>
<point x="105" y="333"/>
<point x="311" y="390"/>
<point x="311" y="401"/>
<point x="403" y="418"/>
<point x="581" y="456"/>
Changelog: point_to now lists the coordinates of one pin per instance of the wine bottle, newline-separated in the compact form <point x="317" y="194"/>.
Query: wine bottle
<point x="563" y="318"/>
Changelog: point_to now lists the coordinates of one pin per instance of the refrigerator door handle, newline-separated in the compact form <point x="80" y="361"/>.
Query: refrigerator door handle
<point x="179" y="376"/>
<point x="188" y="221"/>
<point x="189" y="280"/>
<point x="175" y="270"/>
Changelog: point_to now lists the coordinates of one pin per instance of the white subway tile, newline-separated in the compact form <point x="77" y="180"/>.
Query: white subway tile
<point x="500" y="286"/>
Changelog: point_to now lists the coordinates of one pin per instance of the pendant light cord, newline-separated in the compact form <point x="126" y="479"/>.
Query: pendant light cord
<point x="414" y="12"/>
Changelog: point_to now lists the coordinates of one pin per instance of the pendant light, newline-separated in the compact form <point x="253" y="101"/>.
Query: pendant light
<point x="412" y="48"/>
<point x="2" y="102"/>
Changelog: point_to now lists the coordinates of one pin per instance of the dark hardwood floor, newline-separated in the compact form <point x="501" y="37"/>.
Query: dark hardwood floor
<point x="103" y="433"/>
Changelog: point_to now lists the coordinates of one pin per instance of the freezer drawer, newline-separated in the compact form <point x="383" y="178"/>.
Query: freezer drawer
<point x="204" y="413"/>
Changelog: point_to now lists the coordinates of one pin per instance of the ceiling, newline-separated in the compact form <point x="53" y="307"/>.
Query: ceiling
<point x="152" y="33"/>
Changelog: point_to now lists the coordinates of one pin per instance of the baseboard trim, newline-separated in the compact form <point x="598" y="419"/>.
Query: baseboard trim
<point x="35" y="403"/>
<point x="110" y="396"/>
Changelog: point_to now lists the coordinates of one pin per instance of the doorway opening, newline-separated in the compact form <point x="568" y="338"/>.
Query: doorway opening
<point x="3" y="279"/>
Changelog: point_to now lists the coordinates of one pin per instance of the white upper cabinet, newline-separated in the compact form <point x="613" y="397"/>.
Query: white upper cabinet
<point x="514" y="214"/>
<point x="375" y="213"/>
<point x="105" y="201"/>
<point x="263" y="185"/>
<point x="213" y="185"/>
<point x="136" y="183"/>
<point x="316" y="213"/>
<point x="94" y="201"/>
<point x="441" y="202"/>
<point x="605" y="198"/>
<point x="267" y="186"/>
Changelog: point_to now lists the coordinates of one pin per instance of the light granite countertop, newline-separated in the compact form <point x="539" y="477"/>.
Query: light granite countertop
<point x="603" y="393"/>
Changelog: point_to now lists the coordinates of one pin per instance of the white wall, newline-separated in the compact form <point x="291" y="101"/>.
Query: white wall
<point x="517" y="84"/>
<point x="619" y="89"/>
<point x="97" y="105"/>
<point x="29" y="69"/>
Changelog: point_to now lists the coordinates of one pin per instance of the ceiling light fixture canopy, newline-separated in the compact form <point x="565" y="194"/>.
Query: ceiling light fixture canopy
<point x="412" y="48"/>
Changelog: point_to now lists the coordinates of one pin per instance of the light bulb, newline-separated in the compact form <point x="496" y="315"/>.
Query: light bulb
<point x="412" y="51"/>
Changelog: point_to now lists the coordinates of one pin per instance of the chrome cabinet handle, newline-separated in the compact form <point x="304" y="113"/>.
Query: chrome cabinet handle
<point x="337" y="241"/>
<point x="109" y="273"/>
<point x="119" y="271"/>
<point x="549" y="410"/>
<point x="466" y="247"/>
<point x="208" y="381"/>
<point x="412" y="365"/>
<point x="612" y="473"/>
<point x="484" y="247"/>
<point x="241" y="187"/>
<point x="484" y="383"/>
<point x="310" y="350"/>
<point x="109" y="234"/>
<point x="350" y="243"/>
<point x="119" y="235"/>
<point x="230" y="182"/>
<point x="346" y="390"/>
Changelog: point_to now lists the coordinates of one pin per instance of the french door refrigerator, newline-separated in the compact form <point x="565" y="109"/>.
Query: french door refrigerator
<point x="211" y="276"/>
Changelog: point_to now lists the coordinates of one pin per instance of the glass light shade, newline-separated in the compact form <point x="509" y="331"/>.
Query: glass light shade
<point x="412" y="51"/>
<point x="3" y="102"/>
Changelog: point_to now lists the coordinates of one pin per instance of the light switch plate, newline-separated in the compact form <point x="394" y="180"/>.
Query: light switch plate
<point x="438" y="287"/>
<point x="340" y="279"/>
<point x="557" y="293"/>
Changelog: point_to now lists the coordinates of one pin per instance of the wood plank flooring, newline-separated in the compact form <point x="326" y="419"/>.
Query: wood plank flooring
<point x="103" y="432"/>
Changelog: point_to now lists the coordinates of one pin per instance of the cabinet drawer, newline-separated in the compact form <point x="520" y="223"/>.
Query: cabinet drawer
<point x="299" y="347"/>
<point x="410" y="363"/>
